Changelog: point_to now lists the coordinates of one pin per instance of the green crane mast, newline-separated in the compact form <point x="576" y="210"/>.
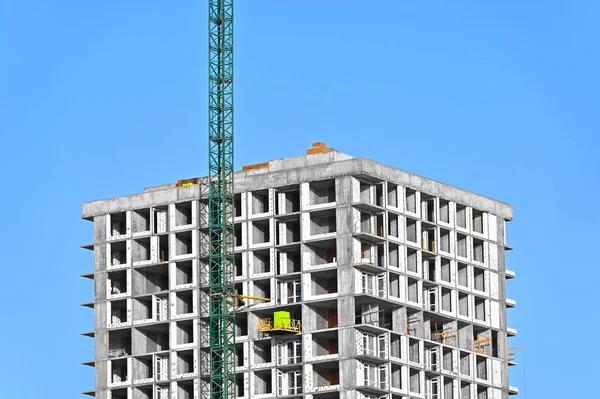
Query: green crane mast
<point x="220" y="158"/>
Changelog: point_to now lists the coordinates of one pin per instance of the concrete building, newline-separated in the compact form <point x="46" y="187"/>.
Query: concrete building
<point x="393" y="286"/>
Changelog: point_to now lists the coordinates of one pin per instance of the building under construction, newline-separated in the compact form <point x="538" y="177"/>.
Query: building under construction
<point x="353" y="280"/>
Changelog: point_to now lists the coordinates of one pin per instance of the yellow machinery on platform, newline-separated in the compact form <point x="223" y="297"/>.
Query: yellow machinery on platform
<point x="281" y="322"/>
<point x="479" y="342"/>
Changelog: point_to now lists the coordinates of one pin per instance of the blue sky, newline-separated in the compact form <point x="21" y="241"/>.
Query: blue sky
<point x="100" y="99"/>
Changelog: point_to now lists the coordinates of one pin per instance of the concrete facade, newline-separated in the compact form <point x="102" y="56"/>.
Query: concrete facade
<point x="398" y="282"/>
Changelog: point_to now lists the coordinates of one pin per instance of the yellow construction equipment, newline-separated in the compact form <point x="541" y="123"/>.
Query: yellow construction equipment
<point x="282" y="322"/>
<point x="444" y="334"/>
<point x="241" y="302"/>
<point x="479" y="342"/>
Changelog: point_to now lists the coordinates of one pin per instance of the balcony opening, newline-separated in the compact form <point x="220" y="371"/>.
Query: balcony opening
<point x="444" y="240"/>
<point x="324" y="282"/>
<point x="118" y="253"/>
<point x="444" y="211"/>
<point x="446" y="299"/>
<point x="463" y="275"/>
<point x="262" y="352"/>
<point x="260" y="202"/>
<point x="324" y="315"/>
<point x="140" y="221"/>
<point x="481" y="366"/>
<point x="394" y="285"/>
<point x="396" y="379"/>
<point x="411" y="260"/>
<point x="325" y="343"/>
<point x="445" y="267"/>
<point x="118" y="393"/>
<point x="392" y="195"/>
<point x="119" y="343"/>
<point x="261" y="261"/>
<point x="482" y="392"/>
<point x="393" y="226"/>
<point x="480" y="308"/>
<point x="465" y="390"/>
<point x="117" y="282"/>
<point x="142" y="368"/>
<point x="322" y="252"/>
<point x="141" y="250"/>
<point x="463" y="304"/>
<point x="183" y="243"/>
<point x="150" y="280"/>
<point x="447" y="359"/>
<point x="322" y="222"/>
<point x="163" y="248"/>
<point x="413" y="290"/>
<point x="291" y="232"/>
<point x="322" y="192"/>
<point x="288" y="262"/>
<point x="379" y="194"/>
<point x="153" y="338"/>
<point x="477" y="221"/>
<point x="428" y="237"/>
<point x="414" y="352"/>
<point x="143" y="392"/>
<point x="465" y="363"/>
<point x="142" y="308"/>
<point x="461" y="245"/>
<point x="185" y="332"/>
<point x="395" y="346"/>
<point x="237" y="205"/>
<point x="185" y="362"/>
<point x="394" y="255"/>
<point x="261" y="231"/>
<point x="118" y="224"/>
<point x="326" y="374"/>
<point x="183" y="273"/>
<point x="262" y="288"/>
<point x="479" y="279"/>
<point x="118" y="312"/>
<point x="415" y="381"/>
<point x="288" y="201"/>
<point x="183" y="213"/>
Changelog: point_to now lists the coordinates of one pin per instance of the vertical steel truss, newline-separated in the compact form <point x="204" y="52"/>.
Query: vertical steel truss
<point x="222" y="318"/>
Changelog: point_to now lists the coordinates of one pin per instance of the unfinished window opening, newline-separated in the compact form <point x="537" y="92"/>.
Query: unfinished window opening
<point x="288" y="262"/>
<point x="429" y="266"/>
<point x="141" y="250"/>
<point x="463" y="304"/>
<point x="392" y="195"/>
<point x="480" y="308"/>
<point x="322" y="192"/>
<point x="289" y="201"/>
<point x="185" y="362"/>
<point x="142" y="308"/>
<point x="446" y="274"/>
<point x="481" y="367"/>
<point x="119" y="343"/>
<point x="184" y="302"/>
<point x="411" y="200"/>
<point x="183" y="213"/>
<point x="414" y="354"/>
<point x="428" y="208"/>
<point x="396" y="376"/>
<point x="183" y="273"/>
<point x="260" y="202"/>
<point x="478" y="250"/>
<point x="118" y="253"/>
<point x="394" y="285"/>
<point x="447" y="359"/>
<point x="326" y="374"/>
<point x="322" y="222"/>
<point x="366" y="223"/>
<point x="163" y="248"/>
<point x="117" y="282"/>
<point x="262" y="352"/>
<point x="415" y="381"/>
<point x="183" y="243"/>
<point x="482" y="392"/>
<point x="324" y="282"/>
<point x="379" y="194"/>
<point x="154" y="338"/>
<point x="292" y="231"/>
<point x="150" y="280"/>
<point x="118" y="312"/>
<point x="393" y="226"/>
<point x="241" y="325"/>
<point x="237" y="205"/>
<point x="444" y="240"/>
<point x="463" y="275"/>
<point x="261" y="261"/>
<point x="444" y="211"/>
<point x="263" y="382"/>
<point x="446" y="299"/>
<point x="322" y="252"/>
<point x="461" y="216"/>
<point x="394" y="255"/>
<point x="185" y="332"/>
<point x="465" y="390"/>
<point x="237" y="234"/>
<point x="461" y="245"/>
<point x="239" y="385"/>
<point x="240" y="354"/>
<point x="411" y="230"/>
<point x="379" y="226"/>
<point x="479" y="279"/>
<point x="448" y="388"/>
<point x="261" y="231"/>
<point x="428" y="237"/>
<point x="413" y="290"/>
<point x="395" y="346"/>
<point x="465" y="363"/>
<point x="411" y="260"/>
<point x="261" y="288"/>
<point x="477" y="221"/>
<point x="365" y="192"/>
<point x="140" y="221"/>
<point x="118" y="224"/>
<point x="119" y="371"/>
<point x="161" y="220"/>
<point x="185" y="389"/>
<point x="238" y="264"/>
<point x="118" y="393"/>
